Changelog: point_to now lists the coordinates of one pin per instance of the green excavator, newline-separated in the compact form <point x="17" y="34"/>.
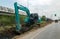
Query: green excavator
<point x="29" y="20"/>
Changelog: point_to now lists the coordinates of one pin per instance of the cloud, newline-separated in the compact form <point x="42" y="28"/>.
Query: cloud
<point x="22" y="2"/>
<point x="42" y="7"/>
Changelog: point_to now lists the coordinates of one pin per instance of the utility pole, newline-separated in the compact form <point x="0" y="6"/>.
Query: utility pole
<point x="28" y="3"/>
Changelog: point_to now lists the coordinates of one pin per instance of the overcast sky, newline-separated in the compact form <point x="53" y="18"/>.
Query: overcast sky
<point x="42" y="7"/>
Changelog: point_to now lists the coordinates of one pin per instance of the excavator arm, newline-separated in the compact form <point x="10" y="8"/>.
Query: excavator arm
<point x="17" y="8"/>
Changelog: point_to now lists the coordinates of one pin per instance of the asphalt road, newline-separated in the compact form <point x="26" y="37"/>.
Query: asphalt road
<point x="52" y="32"/>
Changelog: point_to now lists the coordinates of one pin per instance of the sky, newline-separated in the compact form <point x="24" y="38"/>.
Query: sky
<point x="42" y="7"/>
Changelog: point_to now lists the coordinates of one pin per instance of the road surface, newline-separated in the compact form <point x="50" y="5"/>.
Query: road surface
<point x="51" y="31"/>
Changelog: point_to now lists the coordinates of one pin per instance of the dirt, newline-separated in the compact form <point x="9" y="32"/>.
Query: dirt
<point x="9" y="34"/>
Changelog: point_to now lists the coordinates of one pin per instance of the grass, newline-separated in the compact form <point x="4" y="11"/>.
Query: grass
<point x="7" y="22"/>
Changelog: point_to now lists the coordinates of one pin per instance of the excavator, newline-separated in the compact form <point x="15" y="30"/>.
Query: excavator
<point x="29" y="20"/>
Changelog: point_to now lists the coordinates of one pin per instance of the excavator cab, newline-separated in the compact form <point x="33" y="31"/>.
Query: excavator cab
<point x="32" y="19"/>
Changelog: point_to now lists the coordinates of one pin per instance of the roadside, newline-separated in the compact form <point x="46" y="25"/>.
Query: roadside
<point x="30" y="33"/>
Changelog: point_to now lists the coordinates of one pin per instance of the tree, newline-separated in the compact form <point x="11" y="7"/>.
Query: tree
<point x="43" y="18"/>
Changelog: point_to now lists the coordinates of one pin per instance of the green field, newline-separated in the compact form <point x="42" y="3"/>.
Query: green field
<point x="7" y="21"/>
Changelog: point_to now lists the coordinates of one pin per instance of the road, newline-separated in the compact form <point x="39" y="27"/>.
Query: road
<point x="52" y="32"/>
